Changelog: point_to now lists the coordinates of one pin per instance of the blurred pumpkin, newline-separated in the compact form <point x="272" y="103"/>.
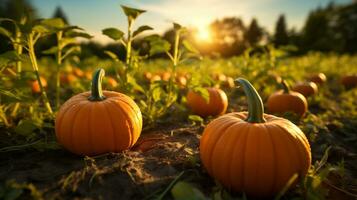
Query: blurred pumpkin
<point x="147" y="76"/>
<point x="97" y="122"/>
<point x="287" y="101"/>
<point x="35" y="86"/>
<point x="219" y="77"/>
<point x="229" y="83"/>
<point x="88" y="75"/>
<point x="78" y="72"/>
<point x="112" y="83"/>
<point x="216" y="105"/>
<point x="306" y="88"/>
<point x="349" y="81"/>
<point x="165" y="76"/>
<point x="253" y="152"/>
<point x="181" y="81"/>
<point x="67" y="78"/>
<point x="155" y="78"/>
<point x="319" y="78"/>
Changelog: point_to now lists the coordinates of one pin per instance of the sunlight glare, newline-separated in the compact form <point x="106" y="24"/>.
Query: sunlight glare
<point x="203" y="34"/>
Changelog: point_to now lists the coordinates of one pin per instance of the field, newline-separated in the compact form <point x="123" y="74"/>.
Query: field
<point x="38" y="162"/>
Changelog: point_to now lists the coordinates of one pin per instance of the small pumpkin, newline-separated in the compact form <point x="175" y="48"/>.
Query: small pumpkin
<point x="78" y="72"/>
<point x="319" y="78"/>
<point x="181" y="81"/>
<point x="68" y="78"/>
<point x="219" y="77"/>
<point x="306" y="88"/>
<point x="147" y="76"/>
<point x="165" y="76"/>
<point x="229" y="82"/>
<point x="97" y="122"/>
<point x="35" y="86"/>
<point x="155" y="78"/>
<point x="287" y="101"/>
<point x="111" y="82"/>
<point x="349" y="81"/>
<point x="253" y="152"/>
<point x="217" y="102"/>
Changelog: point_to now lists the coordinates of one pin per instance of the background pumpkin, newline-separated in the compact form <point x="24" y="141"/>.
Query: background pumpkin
<point x="97" y="122"/>
<point x="35" y="86"/>
<point x="319" y="78"/>
<point x="349" y="81"/>
<point x="216" y="105"/>
<point x="306" y="88"/>
<point x="254" y="152"/>
<point x="287" y="101"/>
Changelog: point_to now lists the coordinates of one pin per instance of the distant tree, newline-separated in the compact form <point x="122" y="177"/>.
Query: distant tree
<point x="281" y="35"/>
<point x="59" y="13"/>
<point x="254" y="33"/>
<point x="16" y="9"/>
<point x="228" y="36"/>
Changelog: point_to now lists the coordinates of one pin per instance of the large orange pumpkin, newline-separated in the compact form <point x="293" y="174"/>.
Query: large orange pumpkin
<point x="216" y="105"/>
<point x="306" y="88"/>
<point x="97" y="122"/>
<point x="287" y="101"/>
<point x="319" y="78"/>
<point x="349" y="81"/>
<point x="253" y="152"/>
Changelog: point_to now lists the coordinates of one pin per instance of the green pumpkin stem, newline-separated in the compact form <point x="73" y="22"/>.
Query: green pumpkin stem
<point x="286" y="87"/>
<point x="96" y="91"/>
<point x="255" y="103"/>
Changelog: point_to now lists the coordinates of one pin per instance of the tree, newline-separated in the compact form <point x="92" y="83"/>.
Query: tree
<point x="281" y="35"/>
<point x="254" y="33"/>
<point x="59" y="13"/>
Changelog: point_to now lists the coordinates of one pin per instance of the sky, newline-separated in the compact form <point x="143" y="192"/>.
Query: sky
<point x="95" y="15"/>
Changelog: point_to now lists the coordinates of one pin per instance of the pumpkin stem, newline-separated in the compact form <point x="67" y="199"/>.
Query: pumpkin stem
<point x="97" y="92"/>
<point x="255" y="103"/>
<point x="286" y="87"/>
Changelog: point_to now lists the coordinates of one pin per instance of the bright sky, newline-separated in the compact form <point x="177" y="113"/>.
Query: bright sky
<point x="95" y="15"/>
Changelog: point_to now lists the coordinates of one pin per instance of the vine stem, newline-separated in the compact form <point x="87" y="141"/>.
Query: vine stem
<point x="33" y="59"/>
<point x="58" y="70"/>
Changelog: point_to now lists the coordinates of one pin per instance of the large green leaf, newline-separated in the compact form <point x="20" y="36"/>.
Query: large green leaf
<point x="53" y="23"/>
<point x="141" y="29"/>
<point x="158" y="45"/>
<point x="78" y="34"/>
<point x="132" y="13"/>
<point x="113" y="33"/>
<point x="189" y="47"/>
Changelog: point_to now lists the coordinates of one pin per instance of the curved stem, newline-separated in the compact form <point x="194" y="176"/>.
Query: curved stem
<point x="286" y="87"/>
<point x="255" y="103"/>
<point x="97" y="92"/>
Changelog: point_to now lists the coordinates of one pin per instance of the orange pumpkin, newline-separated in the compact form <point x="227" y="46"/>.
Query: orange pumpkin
<point x="306" y="88"/>
<point x="147" y="76"/>
<point x="35" y="86"/>
<point x="155" y="78"/>
<point x="319" y="78"/>
<point x="219" y="77"/>
<point x="165" y="76"/>
<point x="88" y="75"/>
<point x="216" y="105"/>
<point x="78" y="72"/>
<point x="287" y="101"/>
<point x="112" y="83"/>
<point x="181" y="81"/>
<point x="67" y="78"/>
<point x="349" y="81"/>
<point x="97" y="122"/>
<point x="253" y="152"/>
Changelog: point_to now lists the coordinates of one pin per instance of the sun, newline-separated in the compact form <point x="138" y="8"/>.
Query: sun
<point x="203" y="34"/>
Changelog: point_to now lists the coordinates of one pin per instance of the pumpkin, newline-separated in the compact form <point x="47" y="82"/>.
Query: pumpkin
<point x="219" y="77"/>
<point x="349" y="81"/>
<point x="67" y="78"/>
<point x="306" y="88"/>
<point x="88" y="75"/>
<point x="287" y="101"/>
<point x="229" y="82"/>
<point x="181" y="81"/>
<point x="78" y="72"/>
<point x="319" y="78"/>
<point x="147" y="76"/>
<point x="97" y="122"/>
<point x="35" y="86"/>
<point x="216" y="105"/>
<point x="155" y="78"/>
<point x="111" y="82"/>
<point x="165" y="76"/>
<point x="253" y="152"/>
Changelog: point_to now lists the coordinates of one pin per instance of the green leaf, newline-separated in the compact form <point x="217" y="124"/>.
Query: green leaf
<point x="141" y="29"/>
<point x="8" y="57"/>
<point x="132" y="13"/>
<point x="113" y="33"/>
<point x="156" y="94"/>
<point x="5" y="32"/>
<point x="189" y="47"/>
<point x="78" y="34"/>
<point x="158" y="45"/>
<point x="112" y="55"/>
<point x="52" y="50"/>
<point x="202" y="92"/>
<point x="185" y="191"/>
<point x="67" y="41"/>
<point x="25" y="127"/>
<point x="40" y="29"/>
<point x="9" y="94"/>
<point x="195" y="118"/>
<point x="131" y="80"/>
<point x="53" y="23"/>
